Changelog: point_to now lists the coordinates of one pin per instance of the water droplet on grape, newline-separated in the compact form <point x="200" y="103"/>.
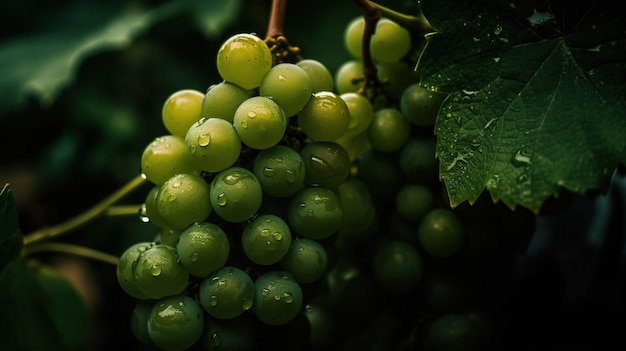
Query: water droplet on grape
<point x="265" y="291"/>
<point x="155" y="271"/>
<point x="287" y="297"/>
<point x="221" y="285"/>
<point x="204" y="139"/>
<point x="278" y="236"/>
<point x="278" y="159"/>
<point x="232" y="178"/>
<point x="246" y="303"/>
<point x="244" y="124"/>
<point x="251" y="114"/>
<point x="213" y="300"/>
<point x="268" y="172"/>
<point x="309" y="212"/>
<point x="281" y="78"/>
<point x="216" y="339"/>
<point x="176" y="184"/>
<point x="172" y="197"/>
<point x="192" y="149"/>
<point x="497" y="30"/>
<point x="264" y="232"/>
<point x="214" y="280"/>
<point x="222" y="200"/>
<point x="290" y="176"/>
<point x="193" y="257"/>
<point x="143" y="214"/>
<point x="277" y="297"/>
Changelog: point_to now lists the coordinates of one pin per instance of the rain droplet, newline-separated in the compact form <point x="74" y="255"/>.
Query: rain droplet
<point x="193" y="257"/>
<point x="216" y="339"/>
<point x="290" y="175"/>
<point x="251" y="114"/>
<point x="213" y="300"/>
<point x="221" y="285"/>
<point x="282" y="78"/>
<point x="264" y="232"/>
<point x="222" y="200"/>
<point x="232" y="178"/>
<point x="522" y="178"/>
<point x="246" y="303"/>
<point x="268" y="172"/>
<point x="244" y="124"/>
<point x="214" y="280"/>
<point x="176" y="184"/>
<point x="521" y="158"/>
<point x="204" y="139"/>
<point x="155" y="271"/>
<point x="278" y="236"/>
<point x="497" y="30"/>
<point x="287" y="297"/>
<point x="143" y="214"/>
<point x="172" y="198"/>
<point x="192" y="149"/>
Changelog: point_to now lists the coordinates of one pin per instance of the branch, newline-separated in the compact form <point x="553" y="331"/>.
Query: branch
<point x="91" y="214"/>
<point x="72" y="249"/>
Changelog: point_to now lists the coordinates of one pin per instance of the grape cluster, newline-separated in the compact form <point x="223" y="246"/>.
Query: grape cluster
<point x="294" y="209"/>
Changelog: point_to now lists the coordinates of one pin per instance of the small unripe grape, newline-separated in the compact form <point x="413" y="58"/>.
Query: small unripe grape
<point x="260" y="122"/>
<point x="183" y="200"/>
<point x="176" y="323"/>
<point x="213" y="143"/>
<point x="165" y="157"/>
<point x="289" y="85"/>
<point x="321" y="78"/>
<point x="158" y="272"/>
<point x="325" y="117"/>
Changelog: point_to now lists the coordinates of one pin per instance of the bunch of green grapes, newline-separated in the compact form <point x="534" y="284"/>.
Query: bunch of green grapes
<point x="249" y="190"/>
<point x="428" y="272"/>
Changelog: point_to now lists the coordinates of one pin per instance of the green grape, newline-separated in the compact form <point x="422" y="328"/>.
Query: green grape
<point x="417" y="160"/>
<point x="184" y="199"/>
<point x="139" y="322"/>
<point x="213" y="143"/>
<point x="320" y="76"/>
<point x="361" y="113"/>
<point x="277" y="298"/>
<point x="168" y="236"/>
<point x="389" y="130"/>
<point x="453" y="332"/>
<point x="234" y="334"/>
<point x="397" y="77"/>
<point x="176" y="323"/>
<point x="358" y="208"/>
<point x="158" y="273"/>
<point x="306" y="260"/>
<point x="280" y="170"/>
<point x="289" y="85"/>
<point x="244" y="59"/>
<point x="355" y="145"/>
<point x="203" y="248"/>
<point x="441" y="233"/>
<point x="324" y="326"/>
<point x="260" y="122"/>
<point x="124" y="269"/>
<point x="150" y="210"/>
<point x="349" y="289"/>
<point x="421" y="105"/>
<point x="165" y="157"/>
<point x="227" y="293"/>
<point x="266" y="239"/>
<point x="222" y="99"/>
<point x="325" y="117"/>
<point x="414" y="201"/>
<point x="326" y="164"/>
<point x="180" y="110"/>
<point x="397" y="266"/>
<point x="236" y="194"/>
<point x="390" y="42"/>
<point x="315" y="212"/>
<point x="349" y="76"/>
<point x="353" y="37"/>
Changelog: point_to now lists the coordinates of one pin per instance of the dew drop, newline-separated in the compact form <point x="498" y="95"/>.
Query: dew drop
<point x="522" y="178"/>
<point x="213" y="300"/>
<point x="204" y="139"/>
<point x="497" y="30"/>
<point x="214" y="280"/>
<point x="176" y="184"/>
<point x="521" y="158"/>
<point x="244" y="124"/>
<point x="172" y="197"/>
<point x="282" y="78"/>
<point x="265" y="291"/>
<point x="290" y="176"/>
<point x="192" y="149"/>
<point x="277" y="297"/>
<point x="222" y="200"/>
<point x="221" y="285"/>
<point x="143" y="214"/>
<point x="278" y="236"/>
<point x="268" y="172"/>
<point x="155" y="271"/>
<point x="264" y="232"/>
<point x="287" y="297"/>
<point x="246" y="303"/>
<point x="193" y="257"/>
<point x="251" y="114"/>
<point x="232" y="178"/>
<point x="216" y="339"/>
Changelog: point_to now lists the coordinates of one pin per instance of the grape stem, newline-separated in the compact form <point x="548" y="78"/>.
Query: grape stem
<point x="102" y="208"/>
<point x="277" y="19"/>
<point x="71" y="249"/>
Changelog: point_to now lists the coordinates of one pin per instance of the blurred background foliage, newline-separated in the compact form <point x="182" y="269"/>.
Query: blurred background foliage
<point x="82" y="84"/>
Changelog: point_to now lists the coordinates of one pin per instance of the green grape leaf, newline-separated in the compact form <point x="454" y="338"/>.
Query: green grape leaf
<point x="42" y="310"/>
<point x="10" y="234"/>
<point x="40" y="65"/>
<point x="536" y="96"/>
